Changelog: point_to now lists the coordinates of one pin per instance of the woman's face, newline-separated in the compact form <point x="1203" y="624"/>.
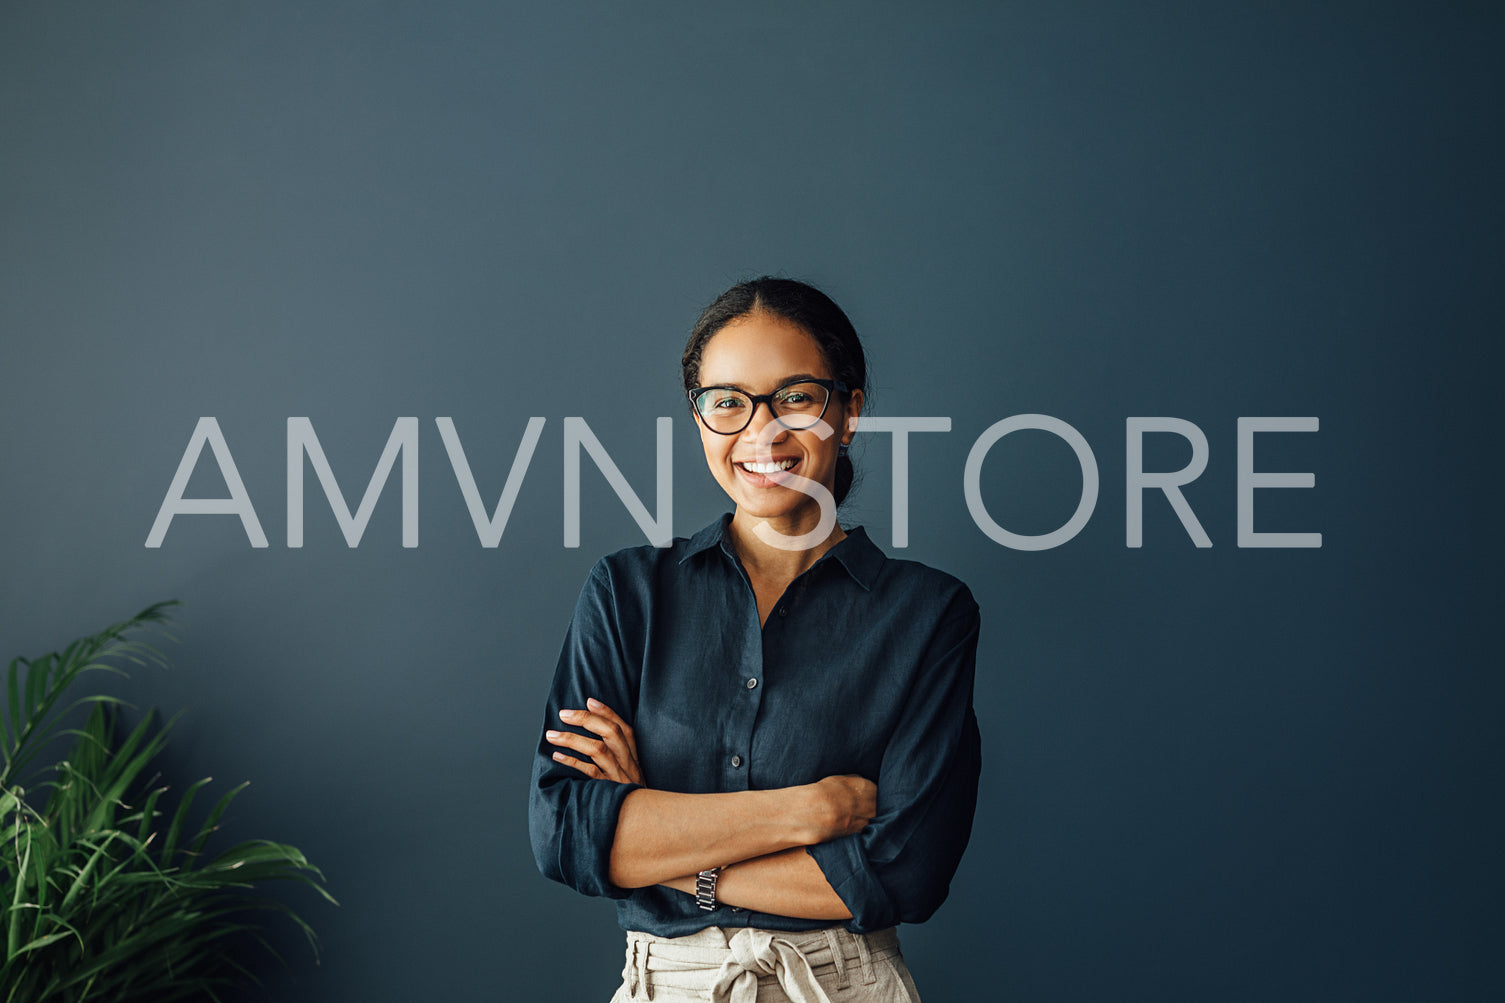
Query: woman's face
<point x="758" y="353"/>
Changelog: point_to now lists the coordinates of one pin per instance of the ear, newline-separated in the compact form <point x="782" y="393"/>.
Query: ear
<point x="852" y="410"/>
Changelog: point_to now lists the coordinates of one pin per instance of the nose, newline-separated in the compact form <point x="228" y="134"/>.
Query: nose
<point x="754" y="432"/>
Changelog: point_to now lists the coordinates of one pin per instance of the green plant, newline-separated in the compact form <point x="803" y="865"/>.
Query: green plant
<point x="106" y="894"/>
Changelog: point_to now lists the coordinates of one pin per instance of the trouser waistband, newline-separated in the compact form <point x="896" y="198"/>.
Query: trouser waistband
<point x="730" y="963"/>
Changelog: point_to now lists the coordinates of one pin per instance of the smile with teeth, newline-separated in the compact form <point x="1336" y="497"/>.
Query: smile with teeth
<point x="767" y="468"/>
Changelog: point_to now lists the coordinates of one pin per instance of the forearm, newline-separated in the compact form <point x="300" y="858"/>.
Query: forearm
<point x="663" y="834"/>
<point x="787" y="883"/>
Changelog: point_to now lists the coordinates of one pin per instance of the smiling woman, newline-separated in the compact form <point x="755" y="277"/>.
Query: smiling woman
<point x="778" y="464"/>
<point x="760" y="740"/>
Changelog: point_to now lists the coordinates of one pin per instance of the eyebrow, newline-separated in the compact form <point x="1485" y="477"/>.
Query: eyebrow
<point x="797" y="377"/>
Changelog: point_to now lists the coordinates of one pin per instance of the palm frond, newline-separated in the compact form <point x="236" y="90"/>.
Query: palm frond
<point x="101" y="900"/>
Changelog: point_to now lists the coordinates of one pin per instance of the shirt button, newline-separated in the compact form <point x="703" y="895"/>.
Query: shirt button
<point x="783" y="611"/>
<point x="752" y="683"/>
<point x="736" y="761"/>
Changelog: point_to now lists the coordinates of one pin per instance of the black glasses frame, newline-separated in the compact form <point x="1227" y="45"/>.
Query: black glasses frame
<point x="832" y="387"/>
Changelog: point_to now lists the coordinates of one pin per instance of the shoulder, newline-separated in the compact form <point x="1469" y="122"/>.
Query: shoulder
<point x="642" y="569"/>
<point x="927" y="594"/>
<point x="632" y="561"/>
<point x="909" y="584"/>
<point x="622" y="589"/>
<point x="646" y="561"/>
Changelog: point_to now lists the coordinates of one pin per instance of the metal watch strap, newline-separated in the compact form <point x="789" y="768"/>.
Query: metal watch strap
<point x="705" y="888"/>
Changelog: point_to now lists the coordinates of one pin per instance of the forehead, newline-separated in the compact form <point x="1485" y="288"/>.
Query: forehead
<point x="758" y="352"/>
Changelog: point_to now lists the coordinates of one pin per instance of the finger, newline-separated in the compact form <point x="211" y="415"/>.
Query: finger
<point x="607" y="726"/>
<point x="597" y="751"/>
<point x="611" y="715"/>
<point x="620" y="738"/>
<point x="612" y="729"/>
<point x="616" y="733"/>
<point x="588" y="768"/>
<point x="629" y="740"/>
<point x="592" y="747"/>
<point x="598" y="725"/>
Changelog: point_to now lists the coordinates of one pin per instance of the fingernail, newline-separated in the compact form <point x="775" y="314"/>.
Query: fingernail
<point x="593" y="703"/>
<point x="558" y="755"/>
<point x="568" y="715"/>
<point x="551" y="734"/>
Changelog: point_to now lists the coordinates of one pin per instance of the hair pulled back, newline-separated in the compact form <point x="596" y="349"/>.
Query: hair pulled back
<point x="807" y="308"/>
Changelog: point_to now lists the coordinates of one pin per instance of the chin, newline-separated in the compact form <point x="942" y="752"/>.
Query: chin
<point x="792" y="504"/>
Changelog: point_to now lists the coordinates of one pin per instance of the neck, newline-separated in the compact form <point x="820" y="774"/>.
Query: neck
<point x="783" y="557"/>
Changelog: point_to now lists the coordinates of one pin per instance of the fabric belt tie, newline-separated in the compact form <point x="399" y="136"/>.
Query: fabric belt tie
<point x="729" y="965"/>
<point x="761" y="952"/>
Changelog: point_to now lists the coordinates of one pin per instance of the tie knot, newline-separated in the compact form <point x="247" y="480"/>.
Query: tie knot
<point x="761" y="952"/>
<point x="754" y="951"/>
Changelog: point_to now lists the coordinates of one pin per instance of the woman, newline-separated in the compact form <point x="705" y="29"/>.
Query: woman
<point x="760" y="740"/>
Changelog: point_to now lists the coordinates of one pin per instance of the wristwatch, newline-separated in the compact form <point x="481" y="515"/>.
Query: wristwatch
<point x="705" y="888"/>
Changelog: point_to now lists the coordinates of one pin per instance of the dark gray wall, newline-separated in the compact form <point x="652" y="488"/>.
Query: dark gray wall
<point x="1226" y="774"/>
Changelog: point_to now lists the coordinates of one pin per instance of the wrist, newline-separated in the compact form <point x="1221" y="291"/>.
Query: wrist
<point x="803" y="812"/>
<point x="705" y="888"/>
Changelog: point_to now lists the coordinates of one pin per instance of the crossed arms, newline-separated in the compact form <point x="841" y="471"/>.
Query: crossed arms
<point x="758" y="837"/>
<point x="874" y="851"/>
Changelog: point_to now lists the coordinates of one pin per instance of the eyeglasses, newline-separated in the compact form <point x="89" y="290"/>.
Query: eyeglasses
<point x="796" y="405"/>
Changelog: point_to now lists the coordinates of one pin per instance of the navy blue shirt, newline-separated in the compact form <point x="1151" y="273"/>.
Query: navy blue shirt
<point x="865" y="666"/>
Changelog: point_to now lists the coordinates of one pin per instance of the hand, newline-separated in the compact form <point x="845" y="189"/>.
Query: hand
<point x="611" y="756"/>
<point x="844" y="804"/>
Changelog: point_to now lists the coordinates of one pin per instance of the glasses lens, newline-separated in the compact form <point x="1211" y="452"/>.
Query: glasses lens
<point x="723" y="410"/>
<point x="800" y="405"/>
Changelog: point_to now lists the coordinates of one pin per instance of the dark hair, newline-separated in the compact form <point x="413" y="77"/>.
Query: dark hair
<point x="804" y="306"/>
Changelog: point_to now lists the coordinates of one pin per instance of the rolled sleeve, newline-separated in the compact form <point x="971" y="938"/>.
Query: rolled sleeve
<point x="898" y="869"/>
<point x="572" y="823"/>
<point x="572" y="819"/>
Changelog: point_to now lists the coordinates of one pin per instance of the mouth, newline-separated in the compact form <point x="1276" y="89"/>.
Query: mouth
<point x="765" y="469"/>
<point x="768" y="474"/>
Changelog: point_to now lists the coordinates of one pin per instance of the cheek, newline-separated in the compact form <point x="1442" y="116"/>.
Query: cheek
<point x="822" y="454"/>
<point x="714" y="447"/>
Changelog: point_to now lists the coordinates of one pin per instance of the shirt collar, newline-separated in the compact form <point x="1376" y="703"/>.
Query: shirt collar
<point x="856" y="553"/>
<point x="859" y="555"/>
<point x="707" y="538"/>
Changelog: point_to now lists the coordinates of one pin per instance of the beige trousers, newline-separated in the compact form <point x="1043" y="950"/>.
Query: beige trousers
<point x="748" y="965"/>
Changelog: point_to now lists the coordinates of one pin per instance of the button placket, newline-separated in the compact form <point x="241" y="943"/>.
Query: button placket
<point x="751" y="677"/>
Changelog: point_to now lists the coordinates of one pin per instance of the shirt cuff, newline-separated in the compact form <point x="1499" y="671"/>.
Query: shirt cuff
<point x="585" y="856"/>
<point x="846" y="868"/>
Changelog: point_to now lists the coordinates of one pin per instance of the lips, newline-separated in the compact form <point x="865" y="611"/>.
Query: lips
<point x="765" y="474"/>
<point x="774" y="467"/>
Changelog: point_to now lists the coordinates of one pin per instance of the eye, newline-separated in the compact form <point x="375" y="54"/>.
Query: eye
<point x="723" y="401"/>
<point x="799" y="398"/>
